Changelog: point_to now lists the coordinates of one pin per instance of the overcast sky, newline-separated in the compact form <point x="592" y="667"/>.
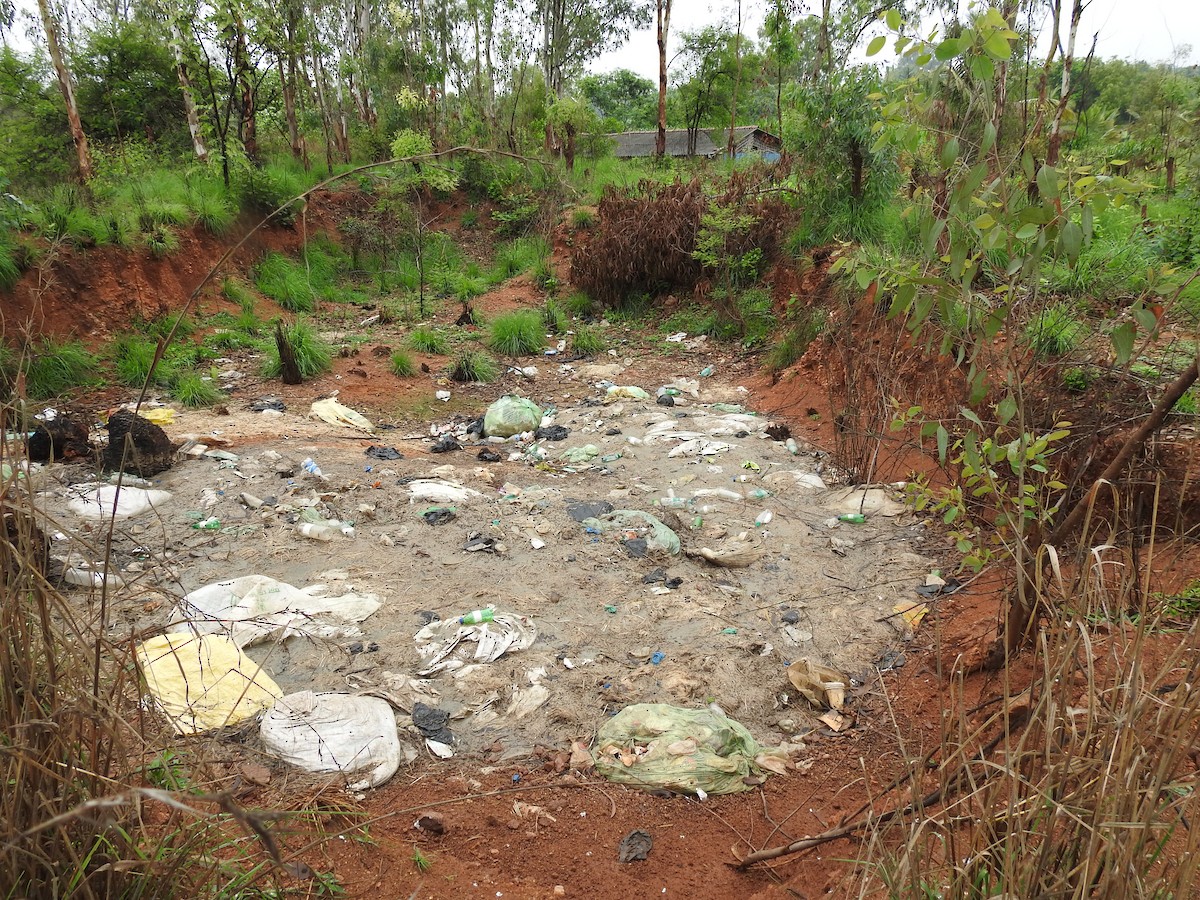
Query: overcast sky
<point x="1128" y="29"/>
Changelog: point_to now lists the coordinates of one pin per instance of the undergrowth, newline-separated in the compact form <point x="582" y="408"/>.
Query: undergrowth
<point x="519" y="333"/>
<point x="313" y="354"/>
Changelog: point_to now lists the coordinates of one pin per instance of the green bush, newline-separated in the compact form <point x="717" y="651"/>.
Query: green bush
<point x="313" y="355"/>
<point x="424" y="339"/>
<point x="271" y="187"/>
<point x="518" y="333"/>
<point x="53" y="369"/>
<point x="1076" y="380"/>
<point x="402" y="364"/>
<point x="1055" y="330"/>
<point x="578" y="304"/>
<point x="587" y="340"/>
<point x="553" y="318"/>
<point x="10" y="270"/>
<point x="473" y="365"/>
<point x="161" y="240"/>
<point x="215" y="212"/>
<point x="193" y="390"/>
<point x="582" y="217"/>
<point x="176" y="321"/>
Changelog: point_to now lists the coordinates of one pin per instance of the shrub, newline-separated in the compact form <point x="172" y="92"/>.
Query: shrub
<point x="517" y="334"/>
<point x="553" y="318"/>
<point x="176" y="321"/>
<point x="267" y="189"/>
<point x="52" y="369"/>
<point x="473" y="365"/>
<point x="213" y="209"/>
<point x="10" y="270"/>
<point x="755" y="316"/>
<point x="1076" y="380"/>
<point x="313" y="355"/>
<point x="578" y="304"/>
<point x="588" y="340"/>
<point x="424" y="339"/>
<point x="194" y="390"/>
<point x="1054" y="331"/>
<point x="402" y="364"/>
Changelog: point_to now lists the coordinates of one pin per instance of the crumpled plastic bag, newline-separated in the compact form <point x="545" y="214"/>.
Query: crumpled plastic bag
<point x="693" y="751"/>
<point x="255" y="608"/>
<point x="329" y="410"/>
<point x="335" y="733"/>
<point x="202" y="683"/>
<point x="441" y="645"/>
<point x="511" y="415"/>
<point x="870" y="501"/>
<point x="434" y="490"/>
<point x="579" y="455"/>
<point x="660" y="537"/>
<point x="625" y="392"/>
<point x="96" y="501"/>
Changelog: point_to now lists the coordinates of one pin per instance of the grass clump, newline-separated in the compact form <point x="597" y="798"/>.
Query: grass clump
<point x="517" y="334"/>
<point x="578" y="305"/>
<point x="402" y="364"/>
<point x="583" y="217"/>
<point x="52" y="369"/>
<point x="194" y="390"/>
<point x="313" y="355"/>
<point x="286" y="283"/>
<point x="588" y="340"/>
<point x="424" y="339"/>
<point x="553" y="318"/>
<point x="133" y="357"/>
<point x="809" y="325"/>
<point x="474" y="365"/>
<point x="10" y="269"/>
<point x="519" y="256"/>
<point x="1054" y="331"/>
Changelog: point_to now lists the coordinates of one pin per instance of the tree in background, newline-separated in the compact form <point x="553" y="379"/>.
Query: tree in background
<point x="50" y="25"/>
<point x="662" y="10"/>
<point x="621" y="97"/>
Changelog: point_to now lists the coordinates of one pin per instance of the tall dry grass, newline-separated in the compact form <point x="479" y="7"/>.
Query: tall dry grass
<point x="1080" y="782"/>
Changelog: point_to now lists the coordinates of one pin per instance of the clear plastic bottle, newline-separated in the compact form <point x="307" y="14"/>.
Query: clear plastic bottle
<point x="763" y="518"/>
<point x="318" y="532"/>
<point x="311" y="467"/>
<point x="792" y="447"/>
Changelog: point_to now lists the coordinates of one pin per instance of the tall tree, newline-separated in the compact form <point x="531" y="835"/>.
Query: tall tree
<point x="781" y="45"/>
<point x="663" y="23"/>
<point x="65" y="84"/>
<point x="185" y="85"/>
<point x="576" y="31"/>
<point x="737" y="82"/>
<point x="1064" y="96"/>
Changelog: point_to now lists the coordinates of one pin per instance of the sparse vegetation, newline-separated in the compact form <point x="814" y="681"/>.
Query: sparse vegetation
<point x="1055" y="330"/>
<point x="402" y="365"/>
<point x="473" y="365"/>
<point x="195" y="390"/>
<point x="425" y="339"/>
<point x="313" y="355"/>
<point x="587" y="340"/>
<point x="806" y="327"/>
<point x="55" y="369"/>
<point x="518" y="333"/>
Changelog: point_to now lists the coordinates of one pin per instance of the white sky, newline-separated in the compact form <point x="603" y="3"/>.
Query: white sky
<point x="1150" y="30"/>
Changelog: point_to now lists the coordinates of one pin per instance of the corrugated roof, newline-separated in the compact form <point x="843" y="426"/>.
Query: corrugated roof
<point x="642" y="143"/>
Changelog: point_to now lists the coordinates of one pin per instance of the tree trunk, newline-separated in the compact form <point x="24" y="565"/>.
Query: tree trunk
<point x="731" y="148"/>
<point x="50" y="24"/>
<point x="290" y="369"/>
<point x="1170" y="174"/>
<point x="1044" y="77"/>
<point x="824" y="47"/>
<point x="569" y="147"/>
<point x="1064" y="96"/>
<point x="247" y="97"/>
<point x="663" y="29"/>
<point x="189" y="102"/>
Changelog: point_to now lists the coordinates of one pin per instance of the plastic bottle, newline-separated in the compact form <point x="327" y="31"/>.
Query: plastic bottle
<point x="792" y="448"/>
<point x="250" y="500"/>
<point x="759" y="494"/>
<point x="318" y="532"/>
<point x="706" y="371"/>
<point x="852" y="518"/>
<point x="311" y="467"/>
<point x="212" y="523"/>
<point x="763" y="518"/>
<point x="477" y="617"/>
<point x="672" y="502"/>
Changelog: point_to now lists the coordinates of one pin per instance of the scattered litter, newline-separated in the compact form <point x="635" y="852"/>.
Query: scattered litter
<point x="334" y="413"/>
<point x="852" y="518"/>
<point x="442" y="395"/>
<point x="431" y="823"/>
<point x="99" y="501"/>
<point x="657" y="657"/>
<point x="164" y="415"/>
<point x="797" y="478"/>
<point x="433" y="723"/>
<point x="551" y="433"/>
<point x="441" y="645"/>
<point x="383" y="452"/>
<point x="477" y="542"/>
<point x="911" y="613"/>
<point x="734" y="554"/>
<point x="935" y="585"/>
<point x="256" y="608"/>
<point x="692" y="751"/>
<point x="635" y="846"/>
<point x="624" y="392"/>
<point x="268" y="403"/>
<point x="581" y="511"/>
<point x="511" y="415"/>
<point x="437" y="491"/>
<point x="657" y="535"/>
<point x="486" y="455"/>
<point x="439" y="515"/>
<point x="445" y="444"/>
<point x="91" y="575"/>
<point x="202" y="683"/>
<point x="335" y="733"/>
<point x="820" y="685"/>
<point x="579" y="455"/>
<point x="869" y="501"/>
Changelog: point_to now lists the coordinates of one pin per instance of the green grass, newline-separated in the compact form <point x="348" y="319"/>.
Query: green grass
<point x="193" y="390"/>
<point x="808" y="326"/>
<point x="133" y="355"/>
<point x="757" y="319"/>
<point x="518" y="257"/>
<point x="1054" y="331"/>
<point x="582" y="217"/>
<point x="285" y="282"/>
<point x="402" y="365"/>
<point x="313" y="355"/>
<point x="578" y="305"/>
<point x="518" y="333"/>
<point x="10" y="271"/>
<point x="588" y="340"/>
<point x="554" y="319"/>
<point x="424" y="339"/>
<point x="474" y="365"/>
<point x="53" y="369"/>
<point x="162" y="326"/>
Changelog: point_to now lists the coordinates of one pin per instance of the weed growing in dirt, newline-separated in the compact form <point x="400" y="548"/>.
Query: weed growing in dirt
<point x="808" y="325"/>
<point x="176" y="322"/>
<point x="519" y="256"/>
<point x="474" y="365"/>
<point x="578" y="305"/>
<point x="1055" y="330"/>
<point x="194" y="390"/>
<point x="52" y="369"/>
<point x="518" y="333"/>
<point x="285" y="282"/>
<point x="588" y="340"/>
<point x="402" y="364"/>
<point x="133" y="356"/>
<point x="10" y="271"/>
<point x="543" y="275"/>
<point x="64" y="216"/>
<point x="425" y="339"/>
<point x="313" y="355"/>
<point x="582" y="217"/>
<point x="553" y="318"/>
<point x="1076" y="380"/>
<point x="211" y="205"/>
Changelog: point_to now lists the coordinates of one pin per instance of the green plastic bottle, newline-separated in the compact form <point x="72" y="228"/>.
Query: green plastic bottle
<point x="477" y="617"/>
<point x="852" y="518"/>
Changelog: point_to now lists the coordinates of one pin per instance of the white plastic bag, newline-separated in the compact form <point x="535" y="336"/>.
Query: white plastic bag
<point x="335" y="414"/>
<point x="511" y="415"/>
<point x="96" y="501"/>
<point x="335" y="733"/>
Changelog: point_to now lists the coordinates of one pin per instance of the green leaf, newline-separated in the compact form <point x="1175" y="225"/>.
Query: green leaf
<point x="970" y="417"/>
<point x="949" y="48"/>
<point x="1047" y="182"/>
<point x="877" y="43"/>
<point x="1087" y="223"/>
<point x="943" y="443"/>
<point x="932" y="235"/>
<point x="902" y="300"/>
<point x="1006" y="409"/>
<point x="983" y="68"/>
<point x="950" y="515"/>
<point x="1071" y="240"/>
<point x="984" y="222"/>
<point x="1145" y="318"/>
<point x="929" y="429"/>
<point x="893" y="19"/>
<point x="989" y="138"/>
<point x="949" y="152"/>
<point x="1027" y="231"/>
<point x="1123" y="337"/>
<point x="864" y="277"/>
<point x="998" y="46"/>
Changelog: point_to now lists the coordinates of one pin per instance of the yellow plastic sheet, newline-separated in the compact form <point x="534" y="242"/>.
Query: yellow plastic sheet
<point x="202" y="683"/>
<point x="335" y="414"/>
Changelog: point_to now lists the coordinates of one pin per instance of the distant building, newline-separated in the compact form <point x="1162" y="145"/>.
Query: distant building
<point x="748" y="139"/>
